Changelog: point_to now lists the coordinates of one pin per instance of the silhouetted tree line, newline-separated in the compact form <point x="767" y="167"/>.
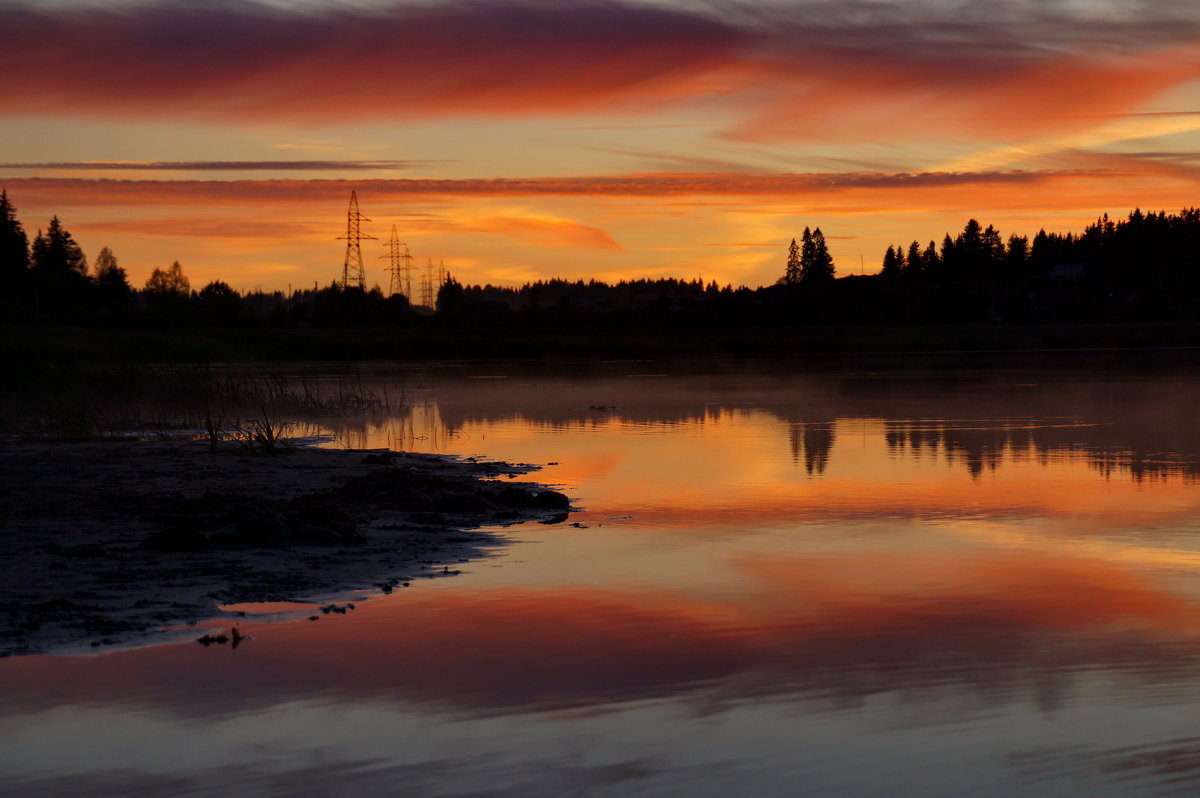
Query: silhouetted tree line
<point x="574" y="301"/>
<point x="49" y="280"/>
<point x="1145" y="267"/>
<point x="1142" y="268"/>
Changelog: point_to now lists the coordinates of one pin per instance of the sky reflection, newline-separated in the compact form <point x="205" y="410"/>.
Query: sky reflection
<point x="999" y="622"/>
<point x="790" y="586"/>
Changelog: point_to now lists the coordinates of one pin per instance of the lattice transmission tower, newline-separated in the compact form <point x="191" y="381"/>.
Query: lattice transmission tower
<point x="352" y="268"/>
<point x="428" y="292"/>
<point x="400" y="266"/>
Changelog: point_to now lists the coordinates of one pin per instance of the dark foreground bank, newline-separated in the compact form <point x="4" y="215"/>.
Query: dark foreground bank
<point x="35" y="347"/>
<point x="116" y="542"/>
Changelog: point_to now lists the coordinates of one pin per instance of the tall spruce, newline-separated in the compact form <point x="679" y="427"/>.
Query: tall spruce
<point x="808" y="254"/>
<point x="891" y="264"/>
<point x="59" y="273"/>
<point x="791" y="274"/>
<point x="915" y="262"/>
<point x="55" y="252"/>
<point x="816" y="264"/>
<point x="14" y="252"/>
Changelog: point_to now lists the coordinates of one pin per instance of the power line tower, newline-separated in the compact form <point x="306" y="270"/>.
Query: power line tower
<point x="352" y="268"/>
<point x="400" y="265"/>
<point x="427" y="289"/>
<point x="407" y="257"/>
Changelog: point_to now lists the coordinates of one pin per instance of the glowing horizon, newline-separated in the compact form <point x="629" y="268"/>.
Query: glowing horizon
<point x="518" y="141"/>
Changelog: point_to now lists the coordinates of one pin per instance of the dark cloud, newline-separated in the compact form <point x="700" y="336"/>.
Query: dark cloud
<point x="41" y="190"/>
<point x="807" y="69"/>
<point x="249" y="60"/>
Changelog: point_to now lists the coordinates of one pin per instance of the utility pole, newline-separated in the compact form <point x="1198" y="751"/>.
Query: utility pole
<point x="352" y="267"/>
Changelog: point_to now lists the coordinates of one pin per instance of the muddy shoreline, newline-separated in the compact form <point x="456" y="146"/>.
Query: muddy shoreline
<point x="114" y="543"/>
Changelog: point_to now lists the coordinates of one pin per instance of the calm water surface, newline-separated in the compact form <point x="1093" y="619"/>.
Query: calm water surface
<point x="856" y="584"/>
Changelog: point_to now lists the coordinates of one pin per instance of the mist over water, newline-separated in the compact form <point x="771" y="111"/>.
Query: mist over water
<point x="853" y="583"/>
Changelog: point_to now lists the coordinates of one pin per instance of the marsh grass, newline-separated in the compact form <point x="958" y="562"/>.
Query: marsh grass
<point x="265" y="434"/>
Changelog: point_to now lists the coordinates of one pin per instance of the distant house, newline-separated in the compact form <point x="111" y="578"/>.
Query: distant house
<point x="1068" y="271"/>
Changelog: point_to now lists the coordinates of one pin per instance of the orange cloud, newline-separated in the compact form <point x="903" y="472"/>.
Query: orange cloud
<point x="545" y="231"/>
<point x="187" y="227"/>
<point x="251" y="61"/>
<point x="840" y="92"/>
<point x="772" y="74"/>
<point x="81" y="191"/>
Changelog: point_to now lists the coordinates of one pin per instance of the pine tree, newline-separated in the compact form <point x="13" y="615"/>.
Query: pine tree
<point x="890" y="268"/>
<point x="916" y="261"/>
<point x="58" y="271"/>
<point x="970" y="240"/>
<point x="450" y="296"/>
<point x="808" y="253"/>
<point x="791" y="274"/>
<point x="948" y="254"/>
<point x="993" y="244"/>
<point x="929" y="258"/>
<point x="816" y="264"/>
<point x="14" y="250"/>
<point x="1017" y="254"/>
<point x="56" y="252"/>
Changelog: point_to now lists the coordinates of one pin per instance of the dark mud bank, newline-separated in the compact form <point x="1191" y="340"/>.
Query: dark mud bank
<point x="115" y="543"/>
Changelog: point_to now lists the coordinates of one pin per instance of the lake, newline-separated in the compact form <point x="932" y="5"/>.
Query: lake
<point x="779" y="583"/>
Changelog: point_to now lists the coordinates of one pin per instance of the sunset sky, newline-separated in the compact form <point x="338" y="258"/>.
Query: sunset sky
<point x="525" y="140"/>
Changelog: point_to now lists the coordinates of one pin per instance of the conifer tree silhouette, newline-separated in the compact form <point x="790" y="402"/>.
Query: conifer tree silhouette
<point x="791" y="274"/>
<point x="14" y="250"/>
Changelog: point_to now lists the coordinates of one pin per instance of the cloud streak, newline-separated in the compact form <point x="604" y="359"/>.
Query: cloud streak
<point x="811" y="70"/>
<point x="218" y="229"/>
<point x="152" y="192"/>
<point x="214" y="166"/>
<point x="251" y="61"/>
<point x="546" y="231"/>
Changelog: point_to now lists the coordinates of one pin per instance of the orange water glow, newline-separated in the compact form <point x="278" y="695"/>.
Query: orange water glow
<point x="861" y="624"/>
<point x="685" y="484"/>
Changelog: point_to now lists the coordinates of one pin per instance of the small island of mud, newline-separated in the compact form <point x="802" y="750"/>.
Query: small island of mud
<point x="109" y="543"/>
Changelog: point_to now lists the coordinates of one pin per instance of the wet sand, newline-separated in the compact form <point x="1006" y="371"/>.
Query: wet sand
<point x="115" y="543"/>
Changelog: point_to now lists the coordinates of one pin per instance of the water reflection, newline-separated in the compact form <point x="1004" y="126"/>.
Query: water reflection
<point x="1132" y="424"/>
<point x="812" y="443"/>
<point x="1009" y="625"/>
<point x="780" y="585"/>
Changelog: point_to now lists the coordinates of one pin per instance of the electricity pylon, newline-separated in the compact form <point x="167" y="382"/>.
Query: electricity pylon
<point x="352" y="268"/>
<point x="400" y="266"/>
<point x="428" y="297"/>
